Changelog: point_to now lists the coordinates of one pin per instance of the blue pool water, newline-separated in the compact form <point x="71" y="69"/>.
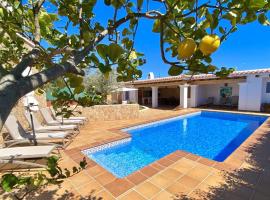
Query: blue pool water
<point x="214" y="135"/>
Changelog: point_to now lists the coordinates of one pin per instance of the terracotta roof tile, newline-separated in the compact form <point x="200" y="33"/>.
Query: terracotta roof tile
<point x="236" y="74"/>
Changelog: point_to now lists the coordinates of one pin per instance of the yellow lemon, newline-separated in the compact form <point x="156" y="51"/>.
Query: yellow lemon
<point x="209" y="44"/>
<point x="186" y="48"/>
<point x="132" y="55"/>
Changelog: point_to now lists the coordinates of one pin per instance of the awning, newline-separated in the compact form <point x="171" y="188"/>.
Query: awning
<point x="124" y="89"/>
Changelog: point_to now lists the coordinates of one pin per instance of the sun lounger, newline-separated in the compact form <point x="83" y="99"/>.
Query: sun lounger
<point x="19" y="135"/>
<point x="16" y="155"/>
<point x="40" y="128"/>
<point x="72" y="117"/>
<point x="50" y="121"/>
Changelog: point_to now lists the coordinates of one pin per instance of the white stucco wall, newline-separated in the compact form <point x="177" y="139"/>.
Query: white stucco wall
<point x="201" y="100"/>
<point x="253" y="93"/>
<point x="132" y="96"/>
<point x="205" y="91"/>
<point x="184" y="101"/>
<point x="265" y="96"/>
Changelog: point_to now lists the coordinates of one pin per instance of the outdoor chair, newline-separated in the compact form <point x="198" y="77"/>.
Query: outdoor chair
<point x="210" y="101"/>
<point x="222" y="101"/>
<point x="20" y="136"/>
<point x="40" y="128"/>
<point x="45" y="112"/>
<point x="235" y="100"/>
<point x="72" y="117"/>
<point x="17" y="155"/>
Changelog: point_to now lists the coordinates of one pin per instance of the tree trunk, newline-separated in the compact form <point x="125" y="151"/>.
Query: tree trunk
<point x="7" y="101"/>
<point x="12" y="89"/>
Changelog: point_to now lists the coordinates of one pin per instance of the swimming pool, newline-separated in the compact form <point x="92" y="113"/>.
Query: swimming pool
<point x="214" y="135"/>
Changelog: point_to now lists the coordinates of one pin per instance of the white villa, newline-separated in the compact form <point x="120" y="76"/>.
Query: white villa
<point x="245" y="90"/>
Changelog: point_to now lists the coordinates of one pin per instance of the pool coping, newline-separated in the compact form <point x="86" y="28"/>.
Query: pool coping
<point x="118" y="186"/>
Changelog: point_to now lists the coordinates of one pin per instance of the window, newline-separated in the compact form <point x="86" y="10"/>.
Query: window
<point x="268" y="87"/>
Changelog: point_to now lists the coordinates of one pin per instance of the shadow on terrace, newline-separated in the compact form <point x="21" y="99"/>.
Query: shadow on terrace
<point x="53" y="194"/>
<point x="251" y="181"/>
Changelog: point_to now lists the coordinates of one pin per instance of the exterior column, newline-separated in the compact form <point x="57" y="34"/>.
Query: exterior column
<point x="194" y="96"/>
<point x="136" y="94"/>
<point x="184" y="96"/>
<point x="154" y="97"/>
<point x="250" y="94"/>
<point x="243" y="96"/>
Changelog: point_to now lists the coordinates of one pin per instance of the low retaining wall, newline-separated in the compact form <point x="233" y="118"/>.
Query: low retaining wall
<point x="111" y="112"/>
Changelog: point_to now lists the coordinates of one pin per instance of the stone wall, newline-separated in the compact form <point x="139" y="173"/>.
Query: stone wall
<point x="111" y="112"/>
<point x="94" y="113"/>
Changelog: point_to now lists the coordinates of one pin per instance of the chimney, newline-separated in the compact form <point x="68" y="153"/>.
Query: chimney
<point x="151" y="75"/>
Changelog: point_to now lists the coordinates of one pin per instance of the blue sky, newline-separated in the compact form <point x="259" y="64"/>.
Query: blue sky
<point x="248" y="48"/>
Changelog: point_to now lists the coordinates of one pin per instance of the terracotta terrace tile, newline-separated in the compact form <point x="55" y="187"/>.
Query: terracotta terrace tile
<point x="178" y="189"/>
<point x="147" y="189"/>
<point x="174" y="156"/>
<point x="163" y="195"/>
<point x="189" y="181"/>
<point x="198" y="173"/>
<point x="181" y="153"/>
<point x="165" y="162"/>
<point x="160" y="181"/>
<point x="192" y="157"/>
<point x="148" y="171"/>
<point x="105" y="178"/>
<point x="91" y="188"/>
<point x="95" y="171"/>
<point x="136" y="178"/>
<point x="206" y="161"/>
<point x="104" y="195"/>
<point x="118" y="187"/>
<point x="80" y="179"/>
<point x="184" y="165"/>
<point x="132" y="195"/>
<point x="176" y="175"/>
<point x="171" y="174"/>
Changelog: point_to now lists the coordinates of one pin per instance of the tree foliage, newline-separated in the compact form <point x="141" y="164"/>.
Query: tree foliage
<point x="22" y="186"/>
<point x="102" y="84"/>
<point x="64" y="37"/>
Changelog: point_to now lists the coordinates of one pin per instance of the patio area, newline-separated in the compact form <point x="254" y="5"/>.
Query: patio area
<point x="245" y="174"/>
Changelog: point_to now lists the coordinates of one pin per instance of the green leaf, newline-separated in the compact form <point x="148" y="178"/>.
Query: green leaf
<point x="75" y="170"/>
<point x="83" y="163"/>
<point x="125" y="32"/>
<point x="102" y="50"/>
<point x="8" y="182"/>
<point x="114" y="52"/>
<point x="104" y="68"/>
<point x="221" y="30"/>
<point x="79" y="89"/>
<point x="139" y="4"/>
<point x="107" y="2"/>
<point x="67" y="172"/>
<point x="263" y="20"/>
<point x="175" y="71"/>
<point x="156" y="26"/>
<point x="257" y="4"/>
<point x="75" y="81"/>
<point x="117" y="3"/>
